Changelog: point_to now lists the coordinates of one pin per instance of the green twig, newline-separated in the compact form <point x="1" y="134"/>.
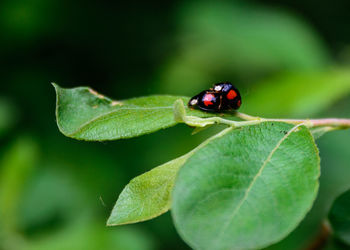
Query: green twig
<point x="334" y="123"/>
<point x="194" y="121"/>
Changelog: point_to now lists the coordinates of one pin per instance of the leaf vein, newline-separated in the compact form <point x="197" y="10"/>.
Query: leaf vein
<point x="268" y="159"/>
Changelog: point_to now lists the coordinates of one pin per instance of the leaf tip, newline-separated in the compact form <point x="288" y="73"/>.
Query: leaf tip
<point x="113" y="220"/>
<point x="55" y="85"/>
<point x="110" y="223"/>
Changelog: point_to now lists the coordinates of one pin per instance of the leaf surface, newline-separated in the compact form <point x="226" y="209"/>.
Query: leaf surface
<point x="148" y="195"/>
<point x="84" y="114"/>
<point x="248" y="188"/>
<point x="339" y="217"/>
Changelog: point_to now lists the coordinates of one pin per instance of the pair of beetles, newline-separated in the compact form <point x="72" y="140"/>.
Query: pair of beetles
<point x="222" y="96"/>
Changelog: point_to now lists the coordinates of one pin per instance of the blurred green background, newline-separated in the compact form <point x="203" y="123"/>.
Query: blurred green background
<point x="289" y="59"/>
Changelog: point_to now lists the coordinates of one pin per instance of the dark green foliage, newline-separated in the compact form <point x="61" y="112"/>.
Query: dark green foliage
<point x="339" y="217"/>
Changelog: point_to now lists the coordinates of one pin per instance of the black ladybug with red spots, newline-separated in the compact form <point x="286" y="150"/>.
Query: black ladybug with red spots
<point x="221" y="97"/>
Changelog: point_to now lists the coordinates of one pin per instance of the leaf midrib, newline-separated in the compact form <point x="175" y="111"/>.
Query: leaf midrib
<point x="104" y="115"/>
<point x="81" y="128"/>
<point x="261" y="169"/>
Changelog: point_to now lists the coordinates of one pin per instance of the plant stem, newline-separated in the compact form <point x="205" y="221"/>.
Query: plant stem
<point x="321" y="239"/>
<point x="246" y="117"/>
<point x="327" y="122"/>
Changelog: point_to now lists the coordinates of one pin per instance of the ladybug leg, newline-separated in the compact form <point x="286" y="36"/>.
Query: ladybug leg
<point x="220" y="102"/>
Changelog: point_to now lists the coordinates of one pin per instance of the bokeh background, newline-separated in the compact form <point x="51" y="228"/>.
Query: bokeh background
<point x="289" y="59"/>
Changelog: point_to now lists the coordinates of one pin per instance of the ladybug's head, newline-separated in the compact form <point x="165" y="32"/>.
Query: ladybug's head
<point x="193" y="101"/>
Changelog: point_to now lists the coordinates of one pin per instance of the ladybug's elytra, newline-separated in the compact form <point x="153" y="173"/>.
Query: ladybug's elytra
<point x="207" y="100"/>
<point x="223" y="96"/>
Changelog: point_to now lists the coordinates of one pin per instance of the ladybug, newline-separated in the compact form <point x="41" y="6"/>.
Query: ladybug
<point x="207" y="100"/>
<point x="221" y="97"/>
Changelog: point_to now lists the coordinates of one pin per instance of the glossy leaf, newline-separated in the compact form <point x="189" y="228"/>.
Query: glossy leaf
<point x="339" y="217"/>
<point x="300" y="94"/>
<point x="84" y="114"/>
<point x="247" y="189"/>
<point x="148" y="195"/>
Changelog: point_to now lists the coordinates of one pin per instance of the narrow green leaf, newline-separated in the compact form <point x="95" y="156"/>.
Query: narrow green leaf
<point x="248" y="188"/>
<point x="339" y="217"/>
<point x="148" y="195"/>
<point x="15" y="167"/>
<point x="84" y="114"/>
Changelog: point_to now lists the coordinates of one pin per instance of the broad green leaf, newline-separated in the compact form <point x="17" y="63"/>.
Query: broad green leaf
<point x="298" y="94"/>
<point x="148" y="195"/>
<point x="339" y="217"/>
<point x="84" y="114"/>
<point x="247" y="189"/>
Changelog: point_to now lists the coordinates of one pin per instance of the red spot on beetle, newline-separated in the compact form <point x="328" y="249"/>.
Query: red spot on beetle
<point x="207" y="99"/>
<point x="231" y="94"/>
<point x="239" y="103"/>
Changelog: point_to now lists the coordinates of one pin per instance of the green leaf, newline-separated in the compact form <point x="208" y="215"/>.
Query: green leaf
<point x="15" y="168"/>
<point x="148" y="195"/>
<point x="339" y="217"/>
<point x="84" y="114"/>
<point x="298" y="94"/>
<point x="248" y="188"/>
